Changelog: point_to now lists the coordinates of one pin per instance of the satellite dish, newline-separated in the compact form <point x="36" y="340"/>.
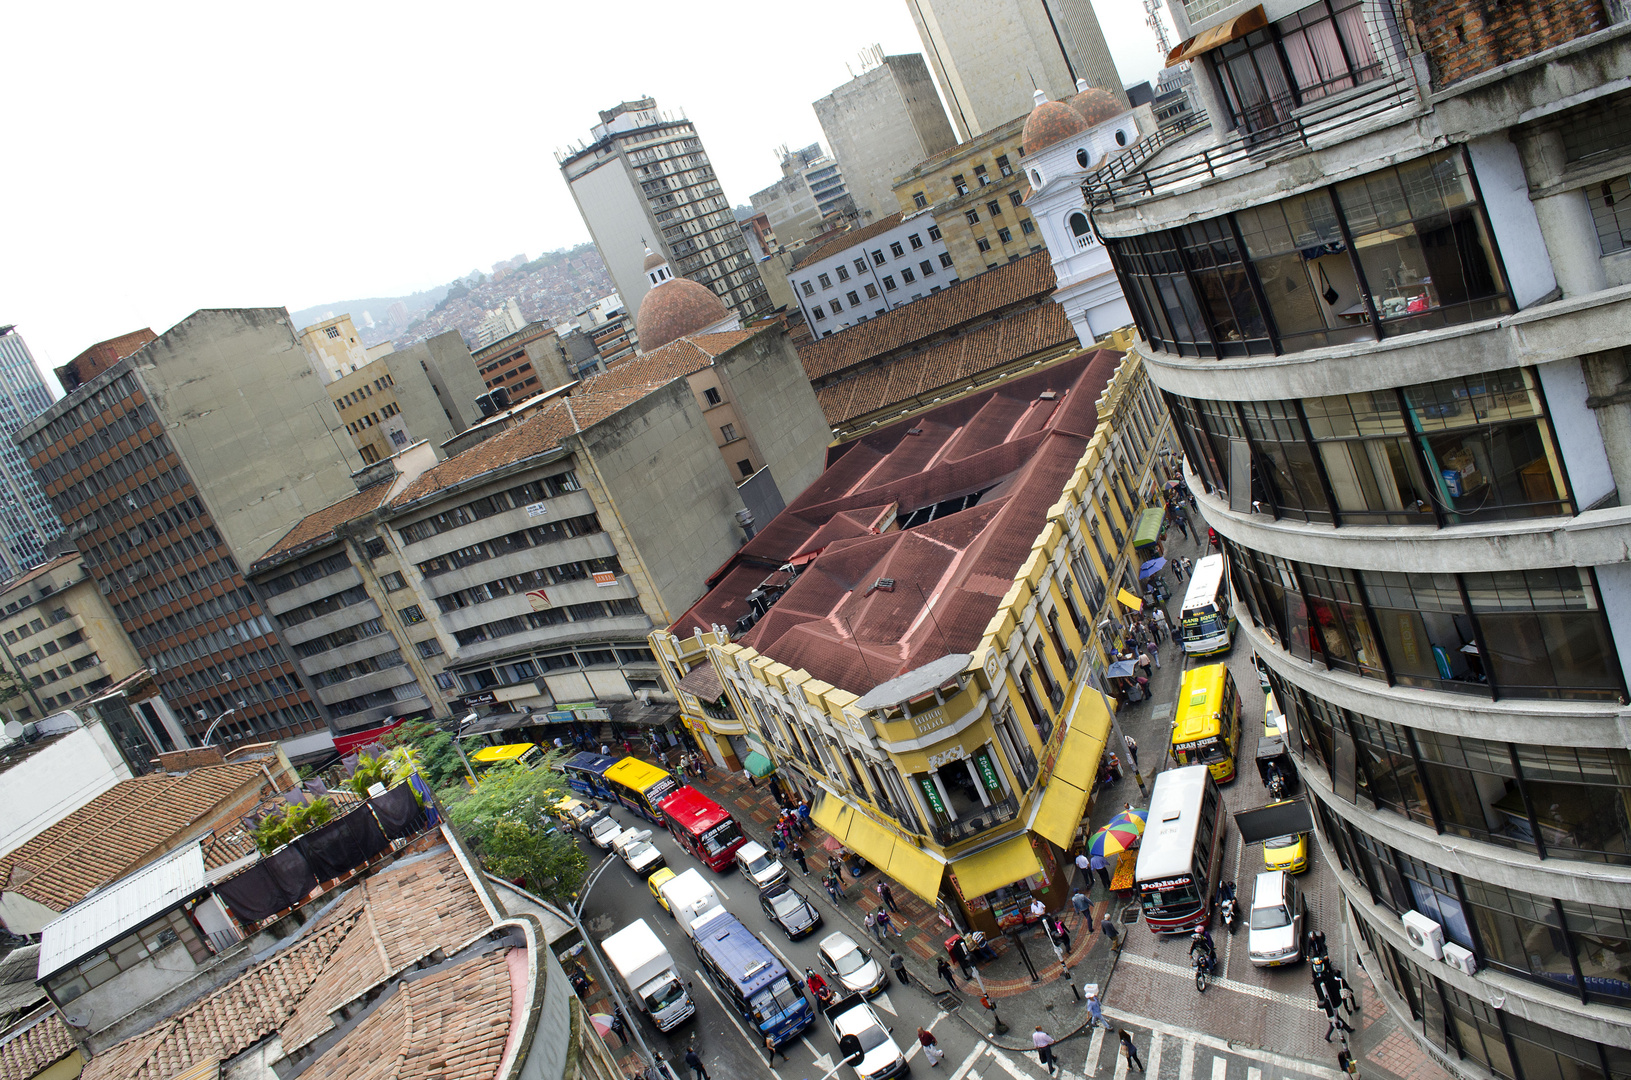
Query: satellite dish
<point x="14" y="730"/>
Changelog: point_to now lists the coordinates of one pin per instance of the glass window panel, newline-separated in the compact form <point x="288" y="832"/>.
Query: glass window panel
<point x="1564" y="652"/>
<point x="1387" y="758"/>
<point x="1546" y="1052"/>
<point x="1521" y="934"/>
<point x="1602" y="945"/>
<point x="1477" y="1030"/>
<point x="1581" y="798"/>
<point x="1475" y="788"/>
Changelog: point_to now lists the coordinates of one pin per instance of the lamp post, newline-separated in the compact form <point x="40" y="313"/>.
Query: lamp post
<point x="469" y="718"/>
<point x="205" y="741"/>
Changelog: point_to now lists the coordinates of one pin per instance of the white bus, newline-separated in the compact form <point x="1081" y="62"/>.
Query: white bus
<point x="1206" y="623"/>
<point x="1181" y="856"/>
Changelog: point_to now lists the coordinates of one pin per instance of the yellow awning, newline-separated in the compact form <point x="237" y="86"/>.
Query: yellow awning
<point x="833" y="815"/>
<point x="984" y="871"/>
<point x="872" y="841"/>
<point x="1060" y="812"/>
<point x="917" y="870"/>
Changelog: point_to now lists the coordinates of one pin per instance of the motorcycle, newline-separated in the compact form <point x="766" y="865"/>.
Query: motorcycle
<point x="1203" y="959"/>
<point x="1228" y="908"/>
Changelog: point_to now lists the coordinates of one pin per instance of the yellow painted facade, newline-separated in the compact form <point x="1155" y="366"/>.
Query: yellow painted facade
<point x="976" y="191"/>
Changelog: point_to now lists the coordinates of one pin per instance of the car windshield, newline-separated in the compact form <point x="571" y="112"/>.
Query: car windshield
<point x="848" y="963"/>
<point x="1270" y="918"/>
<point x="873" y="1037"/>
<point x="665" y="996"/>
<point x="1280" y="841"/>
<point x="758" y="864"/>
<point x="640" y="851"/>
<point x="786" y="903"/>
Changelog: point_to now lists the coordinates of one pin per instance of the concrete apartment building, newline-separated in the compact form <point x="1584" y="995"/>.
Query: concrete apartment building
<point x="176" y="468"/>
<point x="923" y="664"/>
<point x="1387" y="303"/>
<point x="644" y="179"/>
<point x="989" y="56"/>
<point x="527" y="362"/>
<point x="28" y="525"/>
<point x="808" y="199"/>
<point x="880" y="124"/>
<point x="863" y="273"/>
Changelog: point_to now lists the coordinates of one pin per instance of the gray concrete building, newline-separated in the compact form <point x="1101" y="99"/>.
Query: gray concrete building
<point x="990" y="56"/>
<point x="880" y="124"/>
<point x="1385" y="295"/>
<point x="809" y="198"/>
<point x="644" y="179"/>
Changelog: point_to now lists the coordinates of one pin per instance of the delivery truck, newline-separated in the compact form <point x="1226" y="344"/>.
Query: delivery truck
<point x="649" y="974"/>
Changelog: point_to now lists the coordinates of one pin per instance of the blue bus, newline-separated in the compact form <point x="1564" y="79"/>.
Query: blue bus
<point x="586" y="774"/>
<point x="752" y="980"/>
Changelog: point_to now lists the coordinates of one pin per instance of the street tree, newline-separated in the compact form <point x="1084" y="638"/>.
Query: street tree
<point x="509" y="821"/>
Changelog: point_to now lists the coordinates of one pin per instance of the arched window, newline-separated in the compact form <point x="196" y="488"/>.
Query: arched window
<point x="1121" y="137"/>
<point x="1081" y="158"/>
<point x="1081" y="232"/>
<point x="1036" y="179"/>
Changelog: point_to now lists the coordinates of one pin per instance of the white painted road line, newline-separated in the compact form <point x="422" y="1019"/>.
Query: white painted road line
<point x="1219" y="1066"/>
<point x="1095" y="1047"/>
<point x="1254" y="1073"/>
<point x="968" y="1062"/>
<point x="1222" y="1046"/>
<point x="1188" y="975"/>
<point x="1186" y="1061"/>
<point x="1154" y="1065"/>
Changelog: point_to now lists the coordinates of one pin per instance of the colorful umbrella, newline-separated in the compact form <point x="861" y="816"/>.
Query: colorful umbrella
<point x="1113" y="840"/>
<point x="1131" y="819"/>
<point x="1151" y="567"/>
<point x="602" y="1022"/>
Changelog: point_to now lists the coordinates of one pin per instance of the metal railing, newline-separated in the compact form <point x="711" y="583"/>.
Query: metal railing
<point x="976" y="822"/>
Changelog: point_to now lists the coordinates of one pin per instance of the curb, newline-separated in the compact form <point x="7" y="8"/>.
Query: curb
<point x="982" y="1031"/>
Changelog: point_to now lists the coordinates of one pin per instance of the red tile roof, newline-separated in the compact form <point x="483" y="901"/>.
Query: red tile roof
<point x="31" y="1051"/>
<point x="318" y="529"/>
<point x="967" y="301"/>
<point x="121" y="829"/>
<point x="1008" y="443"/>
<point x="843" y="240"/>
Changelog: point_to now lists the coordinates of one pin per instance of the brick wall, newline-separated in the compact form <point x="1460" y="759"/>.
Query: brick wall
<point x="184" y="760"/>
<point x="1464" y="37"/>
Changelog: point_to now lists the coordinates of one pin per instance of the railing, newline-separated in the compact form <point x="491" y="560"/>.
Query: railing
<point x="1277" y="125"/>
<point x="979" y="821"/>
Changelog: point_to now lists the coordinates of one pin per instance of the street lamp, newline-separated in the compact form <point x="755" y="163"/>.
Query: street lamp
<point x="205" y="741"/>
<point x="470" y="718"/>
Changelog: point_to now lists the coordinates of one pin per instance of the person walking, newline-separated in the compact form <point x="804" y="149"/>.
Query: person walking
<point x="698" y="1071"/>
<point x="1111" y="934"/>
<point x="931" y="1048"/>
<point x="1102" y="868"/>
<point x="1060" y="932"/>
<point x="1132" y="749"/>
<point x="1095" y="1011"/>
<point x="771" y="1050"/>
<point x="747" y="774"/>
<point x="886" y="923"/>
<point x="1083" y="906"/>
<point x="944" y="970"/>
<point x="1154" y="653"/>
<point x="831" y="883"/>
<point x="1087" y="871"/>
<point x="887" y="895"/>
<point x="798" y="857"/>
<point x="873" y="926"/>
<point x="1129" y="1051"/>
<point x="1044" y="1048"/>
<point x="1180" y="519"/>
<point x="897" y="964"/>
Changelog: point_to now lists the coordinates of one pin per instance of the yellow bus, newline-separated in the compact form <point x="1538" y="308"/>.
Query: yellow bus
<point x="1206" y="730"/>
<point x="525" y="754"/>
<point x="641" y="787"/>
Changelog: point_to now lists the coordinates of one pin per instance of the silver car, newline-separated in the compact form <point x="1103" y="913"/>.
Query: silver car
<point x="851" y="965"/>
<point x="1274" y="929"/>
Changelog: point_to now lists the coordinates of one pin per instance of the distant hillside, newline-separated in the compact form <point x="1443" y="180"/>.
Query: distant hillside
<point x="374" y="305"/>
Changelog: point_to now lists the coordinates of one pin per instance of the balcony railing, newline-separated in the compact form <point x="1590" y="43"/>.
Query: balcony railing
<point x="976" y="822"/>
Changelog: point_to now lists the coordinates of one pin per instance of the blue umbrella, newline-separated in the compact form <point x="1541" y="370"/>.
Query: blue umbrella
<point x="1121" y="669"/>
<point x="1150" y="567"/>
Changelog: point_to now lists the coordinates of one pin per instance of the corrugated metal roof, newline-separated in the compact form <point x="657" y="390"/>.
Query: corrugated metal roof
<point x="121" y="908"/>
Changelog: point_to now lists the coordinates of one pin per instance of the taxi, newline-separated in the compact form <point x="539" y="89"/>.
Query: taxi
<point x="655" y="884"/>
<point x="1288" y="853"/>
<point x="1274" y="724"/>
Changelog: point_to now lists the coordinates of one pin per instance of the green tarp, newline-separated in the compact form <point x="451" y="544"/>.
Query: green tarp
<point x="1149" y="527"/>
<point x="758" y="764"/>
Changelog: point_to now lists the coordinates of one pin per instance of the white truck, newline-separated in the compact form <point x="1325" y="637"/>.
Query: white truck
<point x="648" y="972"/>
<point x="692" y="900"/>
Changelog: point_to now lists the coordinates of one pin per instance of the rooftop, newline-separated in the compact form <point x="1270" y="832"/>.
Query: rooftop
<point x="30" y="1050"/>
<point x="817" y="252"/>
<point x="318" y="529"/>
<point x="43" y="568"/>
<point x="911" y="537"/>
<point x="122" y="907"/>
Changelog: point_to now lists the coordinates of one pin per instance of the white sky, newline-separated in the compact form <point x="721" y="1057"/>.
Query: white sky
<point x="164" y="159"/>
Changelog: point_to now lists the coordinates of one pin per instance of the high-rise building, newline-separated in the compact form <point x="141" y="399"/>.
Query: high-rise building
<point x="644" y="179"/>
<point x="880" y="124"/>
<point x="1383" y="294"/>
<point x="990" y="56"/>
<point x="809" y="199"/>
<point x="176" y="468"/>
<point x="27" y="523"/>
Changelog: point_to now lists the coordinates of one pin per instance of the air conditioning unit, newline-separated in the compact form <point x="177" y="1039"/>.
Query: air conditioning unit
<point x="1426" y="936"/>
<point x="1460" y="958"/>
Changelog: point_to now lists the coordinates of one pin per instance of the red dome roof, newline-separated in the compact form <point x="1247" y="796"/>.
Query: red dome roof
<point x="1096" y="105"/>
<point x="674" y="309"/>
<point x="1051" y="122"/>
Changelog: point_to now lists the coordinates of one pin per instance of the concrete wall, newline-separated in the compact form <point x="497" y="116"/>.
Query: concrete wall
<point x="766" y="380"/>
<point x="618" y="219"/>
<point x="69" y="588"/>
<point x="252" y="422"/>
<point x="453" y="370"/>
<point x="936" y="181"/>
<point x="880" y="124"/>
<point x="51" y="784"/>
<point x="921" y="225"/>
<point x="790" y="208"/>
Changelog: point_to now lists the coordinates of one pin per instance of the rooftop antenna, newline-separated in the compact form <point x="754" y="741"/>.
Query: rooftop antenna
<point x="858" y="648"/>
<point x="930" y="609"/>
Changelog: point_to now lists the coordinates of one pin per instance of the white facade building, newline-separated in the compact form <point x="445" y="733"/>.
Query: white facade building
<point x="864" y="274"/>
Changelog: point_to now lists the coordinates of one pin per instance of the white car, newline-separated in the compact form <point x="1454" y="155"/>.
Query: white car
<point x="634" y="845"/>
<point x="880" y="1056"/>
<point x="1274" y="925"/>
<point x="603" y="830"/>
<point x="851" y="965"/>
<point x="759" y="865"/>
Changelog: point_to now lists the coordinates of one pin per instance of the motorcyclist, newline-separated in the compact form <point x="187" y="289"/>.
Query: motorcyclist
<point x="818" y="986"/>
<point x="1201" y="941"/>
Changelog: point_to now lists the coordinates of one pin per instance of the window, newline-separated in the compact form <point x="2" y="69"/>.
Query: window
<point x="888" y="283"/>
<point x="896" y="250"/>
<point x="860" y="266"/>
<point x="1005" y="236"/>
<point x="835" y="305"/>
<point x="1611" y="210"/>
<point x="843" y="273"/>
<point x="1015" y="198"/>
<point x="411" y="614"/>
<point x="728" y="433"/>
<point x="428" y="649"/>
<point x="332" y="331"/>
<point x="1003" y="166"/>
<point x="961" y="185"/>
<point x="826" y="282"/>
<point x="918" y="200"/>
<point x="871" y="291"/>
<point x="809" y="290"/>
<point x="854" y="299"/>
<point x="1027" y="226"/>
<point x="745" y="467"/>
<point x="906" y="275"/>
<point x="983" y="244"/>
<point x="1328" y="48"/>
<point x="393" y="581"/>
<point x="818" y="313"/>
<point x="972" y="216"/>
<point x="915" y="240"/>
<point x="877" y="258"/>
<point x="979" y="174"/>
<point x="711" y="395"/>
<point x="926" y="268"/>
<point x="374" y="546"/>
<point x="934" y="232"/>
<point x="994" y="207"/>
<point x="945" y="260"/>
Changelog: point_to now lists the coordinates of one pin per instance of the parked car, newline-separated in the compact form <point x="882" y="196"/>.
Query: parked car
<point x="851" y="965"/>
<point x="655" y="884"/>
<point x="858" y="1030"/>
<point x="1274" y="928"/>
<point x="603" y="830"/>
<point x="1273" y="719"/>
<point x="788" y="909"/>
<point x="1288" y="852"/>
<point x="760" y="866"/>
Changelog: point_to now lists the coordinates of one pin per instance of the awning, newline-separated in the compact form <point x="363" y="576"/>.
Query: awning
<point x="1078" y="761"/>
<point x="1149" y="527"/>
<point x="353" y="740"/>
<point x="1221" y="34"/>
<point x="1061" y="812"/>
<point x="917" y="870"/>
<point x="758" y="764"/>
<point x="872" y="841"/>
<point x="702" y="682"/>
<point x="991" y="869"/>
<point x="832" y="815"/>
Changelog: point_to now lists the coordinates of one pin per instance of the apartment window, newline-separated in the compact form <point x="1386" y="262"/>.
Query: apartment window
<point x="393" y="581"/>
<point x="979" y="175"/>
<point x="728" y="433"/>
<point x="374" y="546"/>
<point x="428" y="649"/>
<point x="926" y="268"/>
<point x="818" y="313"/>
<point x="1003" y="166"/>
<point x="994" y="208"/>
<point x="934" y="232"/>
<point x="945" y="260"/>
<point x="826" y="282"/>
<point x="411" y="614"/>
<point x="906" y="275"/>
<point x="860" y="266"/>
<point x="983" y="244"/>
<point x="711" y="395"/>
<point x="809" y="290"/>
<point x="745" y="467"/>
<point x="843" y="273"/>
<point x="972" y="216"/>
<point x="854" y="299"/>
<point x="888" y="283"/>
<point x="1027" y="226"/>
<point x="835" y="305"/>
<point x="871" y="291"/>
<point x="1016" y="198"/>
<point x="961" y="185"/>
<point x="1328" y="48"/>
<point x="896" y="250"/>
<point x="915" y="240"/>
<point x="919" y="201"/>
<point x="332" y="331"/>
<point x="1611" y="210"/>
<point x="877" y="258"/>
<point x="1005" y="236"/>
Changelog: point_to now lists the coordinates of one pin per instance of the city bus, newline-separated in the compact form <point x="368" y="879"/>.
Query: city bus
<point x="703" y="827"/>
<point x="586" y="774"/>
<point x="640" y="787"/>
<point x="752" y="981"/>
<point x="1181" y="857"/>
<point x="525" y="754"/>
<point x="1206" y="622"/>
<point x="1206" y="729"/>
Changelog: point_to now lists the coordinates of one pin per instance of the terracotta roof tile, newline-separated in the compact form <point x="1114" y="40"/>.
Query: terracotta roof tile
<point x="122" y="828"/>
<point x="30" y="1051"/>
<point x="846" y="239"/>
<point x="964" y="302"/>
<point x="319" y="528"/>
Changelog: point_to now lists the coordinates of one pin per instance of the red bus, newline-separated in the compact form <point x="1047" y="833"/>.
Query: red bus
<point x="702" y="826"/>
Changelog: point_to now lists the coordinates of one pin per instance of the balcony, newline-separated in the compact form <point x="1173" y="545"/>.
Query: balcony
<point x="965" y="828"/>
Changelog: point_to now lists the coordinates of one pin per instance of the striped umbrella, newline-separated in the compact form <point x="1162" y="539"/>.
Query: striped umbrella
<point x="1113" y="839"/>
<point x="1132" y="818"/>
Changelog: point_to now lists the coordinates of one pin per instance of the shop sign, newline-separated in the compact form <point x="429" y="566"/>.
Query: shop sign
<point x="604" y="578"/>
<point x="988" y="771"/>
<point x="472" y="700"/>
<point x="539" y="599"/>
<point x="558" y="717"/>
<point x="931" y="793"/>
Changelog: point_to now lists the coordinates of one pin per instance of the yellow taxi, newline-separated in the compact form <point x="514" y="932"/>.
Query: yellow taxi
<point x="574" y="811"/>
<point x="1288" y="853"/>
<point x="1273" y="721"/>
<point x="655" y="884"/>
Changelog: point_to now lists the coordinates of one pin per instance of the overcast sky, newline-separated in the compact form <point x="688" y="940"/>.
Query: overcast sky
<point x="166" y="158"/>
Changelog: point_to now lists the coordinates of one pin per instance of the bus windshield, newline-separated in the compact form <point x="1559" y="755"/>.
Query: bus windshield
<point x="774" y="999"/>
<point x="1203" y="624"/>
<point x="1180" y="895"/>
<point x="721" y="837"/>
<point x="1203" y="752"/>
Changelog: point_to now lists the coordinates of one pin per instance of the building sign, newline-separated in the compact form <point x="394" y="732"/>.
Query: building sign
<point x="927" y="721"/>
<point x="472" y="700"/>
<point x="604" y="578"/>
<point x="537" y="509"/>
<point x="539" y="599"/>
<point x="988" y="770"/>
<point x="558" y="717"/>
<point x="931" y="793"/>
<point x="592" y="714"/>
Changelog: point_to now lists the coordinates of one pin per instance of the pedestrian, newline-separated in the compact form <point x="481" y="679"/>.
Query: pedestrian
<point x="1334" y="1016"/>
<point x="1082" y="865"/>
<point x="1102" y="868"/>
<point x="886" y="923"/>
<point x="803" y="812"/>
<point x="1038" y="908"/>
<point x="698" y="1072"/>
<point x="959" y="953"/>
<point x="1095" y="1011"/>
<point x="833" y="865"/>
<point x="1083" y="906"/>
<point x="944" y="970"/>
<point x="1132" y="749"/>
<point x="1111" y="934"/>
<point x="1129" y="1051"/>
<point x="628" y="748"/>
<point x="798" y="857"/>
<point x="874" y="927"/>
<point x="1154" y="653"/>
<point x="931" y="1048"/>
<point x="771" y="1050"/>
<point x="1179" y="520"/>
<point x="887" y="895"/>
<point x="747" y="774"/>
<point x="897" y="964"/>
<point x="780" y="840"/>
<point x="1044" y="1048"/>
<point x="1062" y="934"/>
<point x="832" y="887"/>
<point x="605" y="751"/>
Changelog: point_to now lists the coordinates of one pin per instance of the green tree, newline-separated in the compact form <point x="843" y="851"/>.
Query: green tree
<point x="281" y="826"/>
<point x="509" y="821"/>
<point x="435" y="757"/>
